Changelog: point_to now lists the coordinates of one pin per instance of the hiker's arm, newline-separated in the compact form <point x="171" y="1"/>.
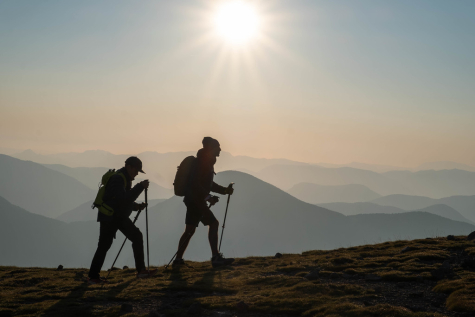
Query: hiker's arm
<point x="118" y="192"/>
<point x="133" y="194"/>
<point x="218" y="189"/>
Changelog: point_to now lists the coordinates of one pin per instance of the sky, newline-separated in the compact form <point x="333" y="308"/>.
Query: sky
<point x="379" y="82"/>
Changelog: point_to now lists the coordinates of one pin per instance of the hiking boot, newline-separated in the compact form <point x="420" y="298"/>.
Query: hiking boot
<point x="178" y="262"/>
<point x="220" y="260"/>
<point x="146" y="273"/>
<point x="93" y="281"/>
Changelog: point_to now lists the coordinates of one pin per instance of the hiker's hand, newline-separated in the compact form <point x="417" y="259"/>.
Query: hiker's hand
<point x="145" y="183"/>
<point x="142" y="206"/>
<point x="213" y="200"/>
<point x="229" y="191"/>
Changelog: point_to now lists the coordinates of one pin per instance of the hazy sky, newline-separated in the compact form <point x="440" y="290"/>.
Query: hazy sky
<point x="387" y="82"/>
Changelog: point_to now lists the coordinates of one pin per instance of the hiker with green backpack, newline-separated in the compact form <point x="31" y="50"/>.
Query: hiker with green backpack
<point x="194" y="181"/>
<point x="115" y="202"/>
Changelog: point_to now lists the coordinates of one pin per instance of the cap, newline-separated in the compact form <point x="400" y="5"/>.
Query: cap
<point x="210" y="142"/>
<point x="135" y="162"/>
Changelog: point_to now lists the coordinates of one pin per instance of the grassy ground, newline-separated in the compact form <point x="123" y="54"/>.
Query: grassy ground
<point x="434" y="277"/>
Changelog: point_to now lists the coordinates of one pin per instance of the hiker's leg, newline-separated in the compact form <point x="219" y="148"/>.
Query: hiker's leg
<point x="184" y="240"/>
<point x="208" y="219"/>
<point x="106" y="236"/>
<point x="213" y="237"/>
<point x="133" y="233"/>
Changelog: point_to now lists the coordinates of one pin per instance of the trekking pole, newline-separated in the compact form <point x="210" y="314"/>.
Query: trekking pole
<point x="146" y="221"/>
<point x="135" y="219"/>
<point x="224" y="222"/>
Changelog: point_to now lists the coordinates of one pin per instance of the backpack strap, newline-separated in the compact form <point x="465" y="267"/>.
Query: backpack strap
<point x="123" y="177"/>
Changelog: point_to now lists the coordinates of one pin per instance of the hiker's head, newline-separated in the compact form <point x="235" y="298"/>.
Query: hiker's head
<point x="133" y="166"/>
<point x="211" y="145"/>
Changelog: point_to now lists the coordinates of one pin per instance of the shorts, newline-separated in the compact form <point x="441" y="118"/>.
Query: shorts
<point x="198" y="212"/>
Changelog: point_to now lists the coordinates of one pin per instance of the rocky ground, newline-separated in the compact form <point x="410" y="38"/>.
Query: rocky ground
<point x="429" y="277"/>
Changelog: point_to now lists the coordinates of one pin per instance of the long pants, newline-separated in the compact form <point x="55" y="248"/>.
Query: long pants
<point x="106" y="236"/>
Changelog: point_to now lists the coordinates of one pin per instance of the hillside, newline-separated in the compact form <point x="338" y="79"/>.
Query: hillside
<point x="321" y="194"/>
<point x="28" y="239"/>
<point x="420" y="278"/>
<point x="39" y="189"/>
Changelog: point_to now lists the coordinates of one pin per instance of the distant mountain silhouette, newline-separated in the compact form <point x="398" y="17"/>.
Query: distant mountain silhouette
<point x="406" y="202"/>
<point x="84" y="212"/>
<point x="28" y="239"/>
<point x="445" y="166"/>
<point x="89" y="176"/>
<point x="406" y="226"/>
<point x="350" y="209"/>
<point x="364" y="166"/>
<point x="160" y="167"/>
<point x="388" y="168"/>
<point x="320" y="194"/>
<point x="433" y="184"/>
<point x="285" y="176"/>
<point x="91" y="158"/>
<point x="39" y="189"/>
<point x="446" y="211"/>
<point x="465" y="205"/>
<point x="436" y="184"/>
<point x="8" y="151"/>
<point x="156" y="191"/>
<point x="262" y="220"/>
<point x="227" y="161"/>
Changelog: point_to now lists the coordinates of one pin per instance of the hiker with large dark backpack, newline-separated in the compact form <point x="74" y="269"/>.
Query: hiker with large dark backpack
<point x="194" y="181"/>
<point x="115" y="202"/>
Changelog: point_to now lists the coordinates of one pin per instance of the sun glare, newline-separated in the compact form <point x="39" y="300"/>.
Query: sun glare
<point x="236" y="21"/>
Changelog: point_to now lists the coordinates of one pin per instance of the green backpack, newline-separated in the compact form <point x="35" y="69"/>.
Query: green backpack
<point x="98" y="202"/>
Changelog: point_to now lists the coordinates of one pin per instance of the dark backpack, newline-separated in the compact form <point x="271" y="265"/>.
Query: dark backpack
<point x="182" y="176"/>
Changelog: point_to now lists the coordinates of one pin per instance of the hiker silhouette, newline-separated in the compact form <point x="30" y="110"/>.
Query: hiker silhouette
<point x="197" y="194"/>
<point x="120" y="197"/>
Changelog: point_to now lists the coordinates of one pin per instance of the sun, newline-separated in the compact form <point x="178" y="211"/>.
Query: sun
<point x="237" y="22"/>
